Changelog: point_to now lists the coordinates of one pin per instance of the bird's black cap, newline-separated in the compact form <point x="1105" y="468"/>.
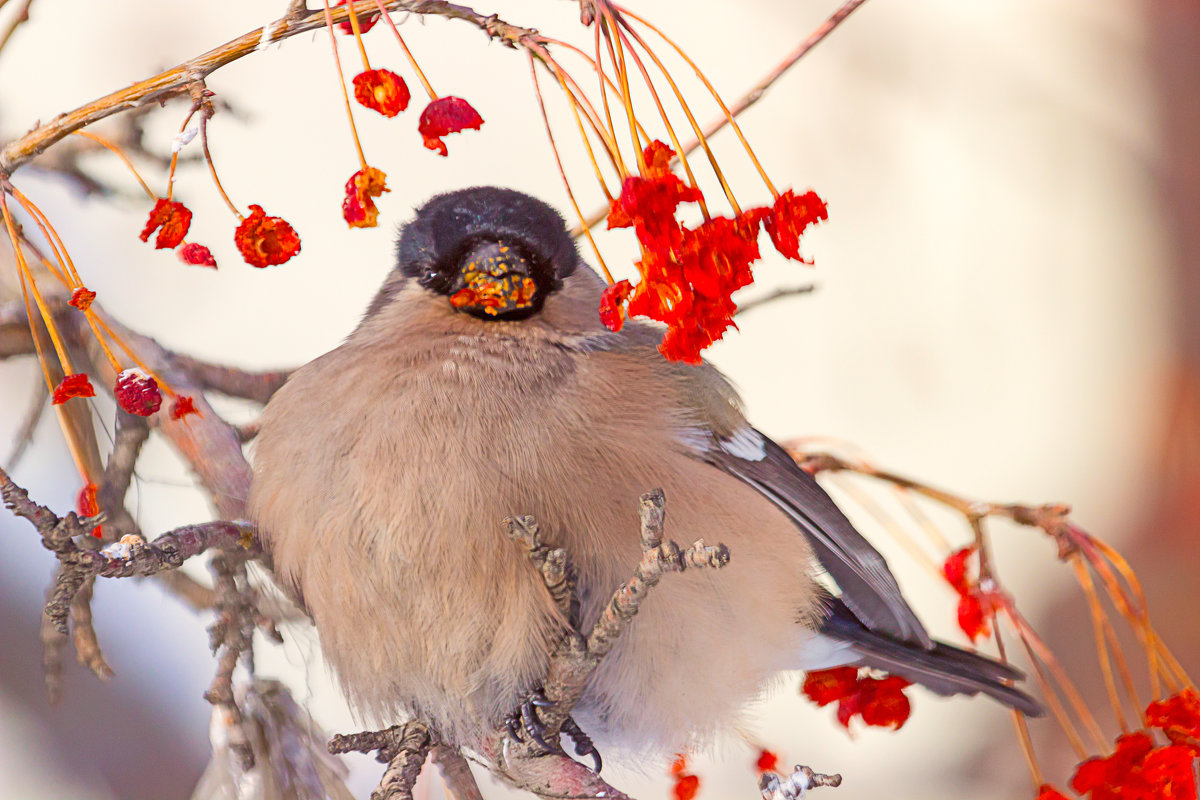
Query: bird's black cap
<point x="517" y="243"/>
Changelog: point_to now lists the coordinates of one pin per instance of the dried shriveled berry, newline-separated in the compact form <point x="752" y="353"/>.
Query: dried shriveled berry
<point x="444" y="116"/>
<point x="265" y="241"/>
<point x="137" y="392"/>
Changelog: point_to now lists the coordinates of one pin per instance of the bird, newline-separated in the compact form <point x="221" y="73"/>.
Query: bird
<point x="481" y="384"/>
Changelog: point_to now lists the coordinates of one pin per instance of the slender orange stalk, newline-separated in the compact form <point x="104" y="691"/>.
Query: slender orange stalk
<point x="110" y="145"/>
<point x="617" y="57"/>
<point x="175" y="152"/>
<point x="212" y="168"/>
<point x="1133" y="608"/>
<point x="69" y="275"/>
<point x="537" y="88"/>
<point x="1056" y="707"/>
<point x="1098" y="629"/>
<point x="23" y="267"/>
<point x="1022" y="727"/>
<point x="917" y="513"/>
<point x="89" y="314"/>
<point x="37" y="340"/>
<point x="687" y="167"/>
<point x="587" y="143"/>
<point x="1030" y="639"/>
<point x="362" y="48"/>
<point x="133" y="356"/>
<point x="585" y="104"/>
<point x="362" y="159"/>
<point x="889" y="523"/>
<point x="605" y="82"/>
<point x="407" y="53"/>
<point x="712" y="90"/>
<point x="688" y="112"/>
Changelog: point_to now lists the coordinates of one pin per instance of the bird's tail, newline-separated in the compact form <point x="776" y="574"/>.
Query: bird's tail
<point x="943" y="669"/>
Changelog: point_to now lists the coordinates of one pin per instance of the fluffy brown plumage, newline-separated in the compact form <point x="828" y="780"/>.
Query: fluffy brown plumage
<point x="384" y="468"/>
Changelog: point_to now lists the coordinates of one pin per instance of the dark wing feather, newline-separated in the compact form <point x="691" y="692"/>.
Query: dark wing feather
<point x="868" y="587"/>
<point x="944" y="669"/>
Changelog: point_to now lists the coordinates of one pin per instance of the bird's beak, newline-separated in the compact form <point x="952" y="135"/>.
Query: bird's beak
<point x="494" y="280"/>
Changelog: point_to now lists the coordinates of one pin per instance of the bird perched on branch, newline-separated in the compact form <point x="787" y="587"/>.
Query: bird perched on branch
<point x="481" y="384"/>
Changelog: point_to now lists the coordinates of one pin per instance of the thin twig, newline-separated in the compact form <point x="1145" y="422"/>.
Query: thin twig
<point x="178" y="79"/>
<point x="29" y="424"/>
<point x="778" y="294"/>
<point x="21" y="16"/>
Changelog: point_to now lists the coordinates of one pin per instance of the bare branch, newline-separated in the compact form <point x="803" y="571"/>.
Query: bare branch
<point x="29" y="424"/>
<point x="87" y="645"/>
<point x="402" y="747"/>
<point x="130" y="434"/>
<point x="777" y="787"/>
<point x="247" y="384"/>
<point x="22" y="16"/>
<point x="456" y="773"/>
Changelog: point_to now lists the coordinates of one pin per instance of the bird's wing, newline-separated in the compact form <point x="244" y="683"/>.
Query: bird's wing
<point x="943" y="669"/>
<point x="868" y="588"/>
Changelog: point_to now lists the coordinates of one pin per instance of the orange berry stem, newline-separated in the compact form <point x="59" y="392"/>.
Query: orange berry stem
<point x="605" y="84"/>
<point x="133" y="356"/>
<point x="67" y="274"/>
<point x="23" y="267"/>
<point x="37" y="340"/>
<point x="1100" y="627"/>
<point x="1022" y="728"/>
<point x="212" y="168"/>
<point x="618" y="61"/>
<point x="593" y="116"/>
<point x="362" y="48"/>
<point x="88" y="314"/>
<point x="408" y="53"/>
<point x="584" y="136"/>
<point x="362" y="159"/>
<point x="537" y="88"/>
<point x="737" y="129"/>
<point x="175" y="152"/>
<point x="1033" y="642"/>
<point x="700" y="137"/>
<point x="110" y="145"/>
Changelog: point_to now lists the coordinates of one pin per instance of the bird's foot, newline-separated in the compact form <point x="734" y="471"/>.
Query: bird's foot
<point x="525" y="722"/>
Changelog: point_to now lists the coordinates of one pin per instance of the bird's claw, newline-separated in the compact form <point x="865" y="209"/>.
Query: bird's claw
<point x="583" y="743"/>
<point x="525" y="722"/>
<point x="525" y="719"/>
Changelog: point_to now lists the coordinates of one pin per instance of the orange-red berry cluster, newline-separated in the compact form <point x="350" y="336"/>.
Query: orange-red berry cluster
<point x="689" y="274"/>
<point x="974" y="610"/>
<point x="879" y="702"/>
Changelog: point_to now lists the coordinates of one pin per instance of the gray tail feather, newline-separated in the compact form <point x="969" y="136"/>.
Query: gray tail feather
<point x="944" y="670"/>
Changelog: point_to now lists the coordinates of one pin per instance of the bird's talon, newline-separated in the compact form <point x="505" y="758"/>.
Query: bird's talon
<point x="534" y="727"/>
<point x="583" y="743"/>
<point x="514" y="729"/>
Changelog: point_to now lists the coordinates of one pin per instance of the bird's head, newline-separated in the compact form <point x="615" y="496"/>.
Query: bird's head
<point x="494" y="253"/>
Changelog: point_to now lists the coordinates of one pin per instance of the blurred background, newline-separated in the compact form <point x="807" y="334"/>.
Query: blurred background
<point x="1007" y="306"/>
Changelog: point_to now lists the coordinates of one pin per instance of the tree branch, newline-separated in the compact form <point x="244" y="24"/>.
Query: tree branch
<point x="178" y="79"/>
<point x="402" y="747"/>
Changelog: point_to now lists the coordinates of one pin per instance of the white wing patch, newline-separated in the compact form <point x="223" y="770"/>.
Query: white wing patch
<point x="747" y="444"/>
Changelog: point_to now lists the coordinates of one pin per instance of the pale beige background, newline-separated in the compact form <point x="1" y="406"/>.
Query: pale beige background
<point x="992" y="312"/>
